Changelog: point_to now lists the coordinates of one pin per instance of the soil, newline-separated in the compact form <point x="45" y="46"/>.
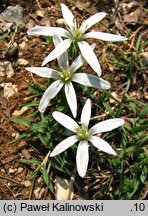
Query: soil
<point x="15" y="182"/>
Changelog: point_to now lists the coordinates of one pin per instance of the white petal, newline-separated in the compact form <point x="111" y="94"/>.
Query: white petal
<point x="106" y="125"/>
<point x="82" y="158"/>
<point x="68" y="16"/>
<point x="90" y="56"/>
<point x="105" y="36"/>
<point x="71" y="98"/>
<point x="91" y="21"/>
<point x="66" y="121"/>
<point x="62" y="59"/>
<point x="49" y="94"/>
<point x="59" y="50"/>
<point x="102" y="145"/>
<point x="79" y="61"/>
<point x="86" y="113"/>
<point x="65" y="144"/>
<point x="48" y="31"/>
<point x="43" y="72"/>
<point x="91" y="81"/>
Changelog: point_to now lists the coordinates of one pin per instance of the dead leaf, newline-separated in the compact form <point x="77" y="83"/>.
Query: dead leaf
<point x="132" y="17"/>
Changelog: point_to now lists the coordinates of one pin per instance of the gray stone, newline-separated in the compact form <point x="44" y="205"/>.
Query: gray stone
<point x="13" y="14"/>
<point x="12" y="50"/>
<point x="12" y="18"/>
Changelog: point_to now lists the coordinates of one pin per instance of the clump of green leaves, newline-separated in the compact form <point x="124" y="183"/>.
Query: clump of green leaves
<point x="125" y="176"/>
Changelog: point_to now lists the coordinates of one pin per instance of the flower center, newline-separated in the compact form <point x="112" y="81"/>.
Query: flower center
<point x="83" y="132"/>
<point x="77" y="33"/>
<point x="66" y="76"/>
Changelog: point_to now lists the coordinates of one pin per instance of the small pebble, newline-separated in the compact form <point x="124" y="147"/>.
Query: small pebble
<point x="11" y="171"/>
<point x="45" y="21"/>
<point x="9" y="89"/>
<point x="15" y="134"/>
<point x="12" y="50"/>
<point x="20" y="169"/>
<point x="40" y="13"/>
<point x="27" y="183"/>
<point x="19" y="112"/>
<point x="22" y="62"/>
<point x="38" y="192"/>
<point x="6" y="69"/>
<point x="60" y="22"/>
<point x="40" y="180"/>
<point x="3" y="171"/>
<point x="23" y="45"/>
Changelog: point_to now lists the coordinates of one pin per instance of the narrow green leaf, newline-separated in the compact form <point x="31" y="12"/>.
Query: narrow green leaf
<point x="138" y="46"/>
<point x="32" y="104"/>
<point x="34" y="95"/>
<point x="31" y="87"/>
<point x="36" y="171"/>
<point x="139" y="128"/>
<point x="21" y="121"/>
<point x="144" y="174"/>
<point x="144" y="112"/>
<point x="42" y="139"/>
<point x="31" y="161"/>
<point x="6" y="35"/>
<point x="47" y="180"/>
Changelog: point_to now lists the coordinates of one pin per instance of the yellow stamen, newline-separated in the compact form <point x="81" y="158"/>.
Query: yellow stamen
<point x="66" y="75"/>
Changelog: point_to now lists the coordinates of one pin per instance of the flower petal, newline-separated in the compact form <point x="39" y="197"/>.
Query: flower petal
<point x="102" y="145"/>
<point x="62" y="59"/>
<point x="48" y="31"/>
<point x="66" y="121"/>
<point x="90" y="56"/>
<point x="68" y="16"/>
<point x="79" y="61"/>
<point x="106" y="125"/>
<point x="91" y="81"/>
<point x="65" y="144"/>
<point x="44" y="72"/>
<point x="71" y="98"/>
<point x="49" y="94"/>
<point x="86" y="113"/>
<point x="91" y="21"/>
<point x="59" y="50"/>
<point x="82" y="158"/>
<point x="105" y="36"/>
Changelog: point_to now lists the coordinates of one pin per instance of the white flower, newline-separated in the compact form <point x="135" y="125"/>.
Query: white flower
<point x="85" y="136"/>
<point x="65" y="77"/>
<point x="76" y="35"/>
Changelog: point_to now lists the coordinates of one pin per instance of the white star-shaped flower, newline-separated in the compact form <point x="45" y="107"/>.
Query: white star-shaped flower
<point x="64" y="78"/>
<point x="76" y="35"/>
<point x="84" y="136"/>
